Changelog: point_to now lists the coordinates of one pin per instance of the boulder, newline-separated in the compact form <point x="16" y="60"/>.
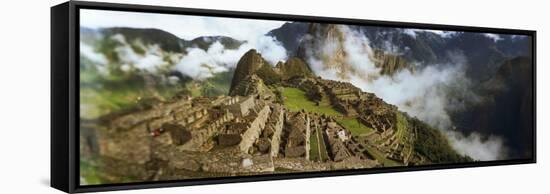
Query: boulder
<point x="264" y="145"/>
<point x="189" y="164"/>
<point x="229" y="139"/>
<point x="295" y="151"/>
<point x="178" y="133"/>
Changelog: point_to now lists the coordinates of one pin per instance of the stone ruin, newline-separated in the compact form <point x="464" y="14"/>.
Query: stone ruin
<point x="242" y="107"/>
<point x="269" y="140"/>
<point x="296" y="133"/>
<point x="247" y="134"/>
<point x="254" y="129"/>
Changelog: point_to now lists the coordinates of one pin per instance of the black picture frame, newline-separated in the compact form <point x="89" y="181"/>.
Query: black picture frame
<point x="65" y="101"/>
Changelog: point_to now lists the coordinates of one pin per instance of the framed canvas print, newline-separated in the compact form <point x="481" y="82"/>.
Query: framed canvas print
<point x="148" y="96"/>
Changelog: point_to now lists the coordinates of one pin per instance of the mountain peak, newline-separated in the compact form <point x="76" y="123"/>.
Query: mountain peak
<point x="293" y="67"/>
<point x="249" y="63"/>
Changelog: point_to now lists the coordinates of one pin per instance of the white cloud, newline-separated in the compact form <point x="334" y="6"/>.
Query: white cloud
<point x="88" y="52"/>
<point x="202" y="64"/>
<point x="410" y="32"/>
<point x="149" y="61"/>
<point x="495" y="37"/>
<point x="197" y="63"/>
<point x="184" y="26"/>
<point x="469" y="145"/>
<point x="443" y="33"/>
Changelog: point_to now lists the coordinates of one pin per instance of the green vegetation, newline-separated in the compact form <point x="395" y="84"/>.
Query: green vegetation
<point x="107" y="47"/>
<point x="268" y="75"/>
<point x="380" y="157"/>
<point x="217" y="85"/>
<point x="402" y="126"/>
<point x="294" y="67"/>
<point x="296" y="100"/>
<point x="104" y="93"/>
<point x="352" y="124"/>
<point x="434" y="145"/>
<point x="89" y="172"/>
<point x="137" y="49"/>
<point x="316" y="141"/>
<point x="100" y="95"/>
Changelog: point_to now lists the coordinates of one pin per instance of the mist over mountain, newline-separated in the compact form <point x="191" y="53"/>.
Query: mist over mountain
<point x="485" y="52"/>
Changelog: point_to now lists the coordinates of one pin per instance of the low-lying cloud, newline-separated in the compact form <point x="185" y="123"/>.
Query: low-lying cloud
<point x="196" y="63"/>
<point x="470" y="145"/>
<point x="200" y="64"/>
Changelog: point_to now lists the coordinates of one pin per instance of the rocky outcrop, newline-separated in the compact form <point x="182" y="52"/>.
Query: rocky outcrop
<point x="290" y="35"/>
<point x="254" y="129"/>
<point x="251" y="85"/>
<point x="390" y="63"/>
<point x="249" y="63"/>
<point x="293" y="67"/>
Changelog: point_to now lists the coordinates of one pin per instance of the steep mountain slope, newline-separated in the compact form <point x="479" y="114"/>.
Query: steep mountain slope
<point x="249" y="63"/>
<point x="290" y="35"/>
<point x="506" y="108"/>
<point x="293" y="67"/>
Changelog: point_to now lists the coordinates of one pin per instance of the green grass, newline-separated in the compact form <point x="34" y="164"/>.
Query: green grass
<point x="380" y="157"/>
<point x="356" y="128"/>
<point x="313" y="148"/>
<point x="296" y="100"/>
<point x="100" y="95"/>
<point x="90" y="173"/>
<point x="402" y="126"/>
<point x="93" y="174"/>
<point x="316" y="140"/>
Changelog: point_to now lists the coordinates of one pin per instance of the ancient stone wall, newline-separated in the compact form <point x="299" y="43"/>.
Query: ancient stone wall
<point x="202" y="135"/>
<point x="338" y="150"/>
<point x="243" y="107"/>
<point x="254" y="130"/>
<point x="308" y="134"/>
<point x="278" y="128"/>
<point x="297" y="135"/>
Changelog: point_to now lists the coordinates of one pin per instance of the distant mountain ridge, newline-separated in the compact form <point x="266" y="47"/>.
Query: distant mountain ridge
<point x="483" y="52"/>
<point x="166" y="40"/>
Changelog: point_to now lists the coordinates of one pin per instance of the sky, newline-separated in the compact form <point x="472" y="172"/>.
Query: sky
<point x="183" y="26"/>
